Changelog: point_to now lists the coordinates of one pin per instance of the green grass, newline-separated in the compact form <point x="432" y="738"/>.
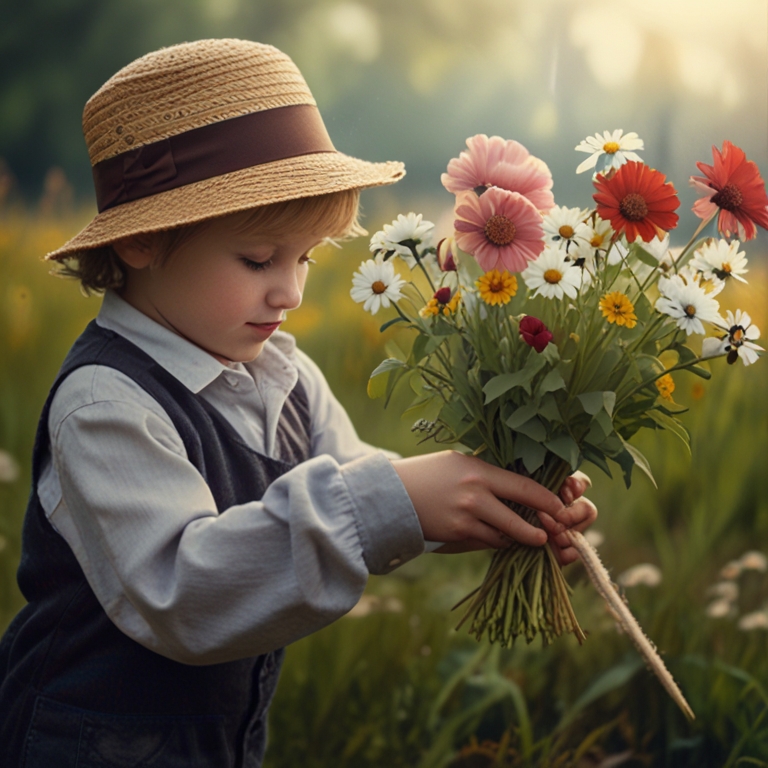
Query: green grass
<point x="399" y="686"/>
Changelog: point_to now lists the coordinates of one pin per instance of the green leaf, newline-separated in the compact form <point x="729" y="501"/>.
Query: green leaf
<point x="502" y="383"/>
<point x="672" y="425"/>
<point x="698" y="371"/>
<point x="596" y="457"/>
<point x="531" y="452"/>
<point x="642" y="255"/>
<point x="605" y="422"/>
<point x="424" y="408"/>
<point x="393" y="350"/>
<point x="419" y="348"/>
<point x="377" y="383"/>
<point x="549" y="410"/>
<point x="521" y="415"/>
<point x="533" y="429"/>
<point x="593" y="402"/>
<point x="685" y="354"/>
<point x="565" y="447"/>
<point x="394" y="320"/>
<point x="551" y="382"/>
<point x="639" y="460"/>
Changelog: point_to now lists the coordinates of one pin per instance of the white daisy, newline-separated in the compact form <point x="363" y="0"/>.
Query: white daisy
<point x="754" y="620"/>
<point x="754" y="561"/>
<point x="403" y="232"/>
<point x="720" y="259"/>
<point x="565" y="229"/>
<point x="738" y="342"/>
<point x="645" y="573"/>
<point x="612" y="150"/>
<point x="598" y="236"/>
<point x="376" y="284"/>
<point x="688" y="303"/>
<point x="552" y="276"/>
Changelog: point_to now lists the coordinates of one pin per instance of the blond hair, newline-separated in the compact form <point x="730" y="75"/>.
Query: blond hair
<point x="333" y="216"/>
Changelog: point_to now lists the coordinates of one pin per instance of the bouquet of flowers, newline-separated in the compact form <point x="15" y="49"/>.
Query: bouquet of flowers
<point x="546" y="336"/>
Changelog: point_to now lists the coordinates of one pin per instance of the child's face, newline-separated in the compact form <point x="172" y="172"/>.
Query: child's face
<point x="225" y="290"/>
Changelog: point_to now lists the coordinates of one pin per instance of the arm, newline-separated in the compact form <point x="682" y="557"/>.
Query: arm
<point x="204" y="587"/>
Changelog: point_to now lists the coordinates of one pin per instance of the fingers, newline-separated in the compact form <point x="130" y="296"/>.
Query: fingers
<point x="514" y="487"/>
<point x="574" y="486"/>
<point x="509" y="523"/>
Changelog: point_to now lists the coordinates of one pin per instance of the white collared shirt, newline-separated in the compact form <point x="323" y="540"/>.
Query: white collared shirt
<point x="172" y="572"/>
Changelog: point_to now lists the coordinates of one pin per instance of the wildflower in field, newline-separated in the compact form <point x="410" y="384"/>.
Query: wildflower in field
<point x="688" y="303"/>
<point x="719" y="609"/>
<point x="552" y="276"/>
<point x="617" y="308"/>
<point x="733" y="188"/>
<point x="446" y="255"/>
<point x="666" y="386"/>
<point x="398" y="237"/>
<point x="564" y="228"/>
<point x="501" y="229"/>
<point x="598" y="237"/>
<point x="738" y="342"/>
<point x="731" y="570"/>
<point x="754" y="620"/>
<point x="535" y="334"/>
<point x="611" y="149"/>
<point x="9" y="468"/>
<point x="754" y="561"/>
<point x="442" y="301"/>
<point x="496" y="287"/>
<point x="594" y="538"/>
<point x="720" y="259"/>
<point x="376" y="284"/>
<point x="645" y="573"/>
<point x="725" y="590"/>
<point x="496" y="162"/>
<point x="638" y="201"/>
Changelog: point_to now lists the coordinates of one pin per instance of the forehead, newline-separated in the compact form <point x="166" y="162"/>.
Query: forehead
<point x="239" y="228"/>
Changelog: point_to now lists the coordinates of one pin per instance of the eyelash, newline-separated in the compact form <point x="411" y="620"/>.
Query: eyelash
<point x="258" y="266"/>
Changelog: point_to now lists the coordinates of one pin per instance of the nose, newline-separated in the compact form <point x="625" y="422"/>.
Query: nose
<point x="285" y="289"/>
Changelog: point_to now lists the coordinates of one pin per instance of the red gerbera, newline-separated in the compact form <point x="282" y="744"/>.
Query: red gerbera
<point x="638" y="201"/>
<point x="734" y="186"/>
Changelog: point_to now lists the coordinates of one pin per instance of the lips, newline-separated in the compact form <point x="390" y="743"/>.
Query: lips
<point x="267" y="326"/>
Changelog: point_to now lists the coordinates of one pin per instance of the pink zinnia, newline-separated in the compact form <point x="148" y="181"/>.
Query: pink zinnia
<point x="535" y="333"/>
<point x="501" y="229"/>
<point x="734" y="186"/>
<point x="498" y="162"/>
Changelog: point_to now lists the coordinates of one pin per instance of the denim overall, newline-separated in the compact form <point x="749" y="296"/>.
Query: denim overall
<point x="75" y="692"/>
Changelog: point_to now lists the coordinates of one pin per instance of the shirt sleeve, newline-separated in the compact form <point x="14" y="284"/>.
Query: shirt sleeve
<point x="198" y="585"/>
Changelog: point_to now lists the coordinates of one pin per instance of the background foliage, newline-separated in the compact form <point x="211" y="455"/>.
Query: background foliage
<point x="392" y="684"/>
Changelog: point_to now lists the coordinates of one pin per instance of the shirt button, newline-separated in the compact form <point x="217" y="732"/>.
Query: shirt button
<point x="395" y="561"/>
<point x="233" y="382"/>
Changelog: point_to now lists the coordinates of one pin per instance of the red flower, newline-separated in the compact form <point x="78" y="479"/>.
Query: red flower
<point x="535" y="334"/>
<point x="443" y="295"/>
<point x="638" y="201"/>
<point x="733" y="185"/>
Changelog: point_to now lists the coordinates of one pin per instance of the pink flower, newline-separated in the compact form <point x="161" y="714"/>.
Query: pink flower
<point x="501" y="229"/>
<point x="535" y="334"/>
<point x="497" y="162"/>
<point x="734" y="186"/>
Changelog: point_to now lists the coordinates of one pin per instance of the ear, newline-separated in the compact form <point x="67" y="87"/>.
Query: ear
<point x="135" y="251"/>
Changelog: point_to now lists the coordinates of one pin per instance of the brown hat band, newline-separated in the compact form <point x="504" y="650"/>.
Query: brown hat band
<point x="208" y="151"/>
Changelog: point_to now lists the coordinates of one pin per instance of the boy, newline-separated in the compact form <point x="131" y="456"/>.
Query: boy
<point x="201" y="499"/>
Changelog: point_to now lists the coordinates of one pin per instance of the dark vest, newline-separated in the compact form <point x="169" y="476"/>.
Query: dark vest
<point x="75" y="692"/>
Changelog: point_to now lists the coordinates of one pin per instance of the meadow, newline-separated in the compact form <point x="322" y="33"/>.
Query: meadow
<point x="393" y="684"/>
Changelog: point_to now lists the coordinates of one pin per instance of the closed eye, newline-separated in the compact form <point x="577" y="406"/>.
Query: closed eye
<point x="256" y="266"/>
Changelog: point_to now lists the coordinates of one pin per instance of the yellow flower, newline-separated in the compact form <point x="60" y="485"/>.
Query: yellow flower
<point x="617" y="308"/>
<point x="452" y="305"/>
<point x="497" y="287"/>
<point x="666" y="386"/>
<point x="431" y="308"/>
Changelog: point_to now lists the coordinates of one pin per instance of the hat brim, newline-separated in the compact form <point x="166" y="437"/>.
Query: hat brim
<point x="275" y="182"/>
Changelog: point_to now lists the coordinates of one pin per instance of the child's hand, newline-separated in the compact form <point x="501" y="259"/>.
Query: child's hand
<point x="582" y="513"/>
<point x="456" y="498"/>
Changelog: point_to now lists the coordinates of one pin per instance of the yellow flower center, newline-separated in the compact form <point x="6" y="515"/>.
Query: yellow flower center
<point x="378" y="287"/>
<point x="737" y="335"/>
<point x="633" y="207"/>
<point x="566" y="231"/>
<point x="690" y="310"/>
<point x="553" y="276"/>
<point x="596" y="241"/>
<point x="726" y="267"/>
<point x="500" y="230"/>
<point x="611" y="147"/>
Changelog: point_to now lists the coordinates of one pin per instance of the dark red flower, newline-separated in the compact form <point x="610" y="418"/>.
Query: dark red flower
<point x="734" y="186"/>
<point x="535" y="334"/>
<point x="442" y="295"/>
<point x="638" y="201"/>
<point x="446" y="254"/>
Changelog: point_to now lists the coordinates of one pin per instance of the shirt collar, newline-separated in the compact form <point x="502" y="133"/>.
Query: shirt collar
<point x="192" y="366"/>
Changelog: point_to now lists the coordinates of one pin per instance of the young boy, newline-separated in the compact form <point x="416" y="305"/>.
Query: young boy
<point x="200" y="497"/>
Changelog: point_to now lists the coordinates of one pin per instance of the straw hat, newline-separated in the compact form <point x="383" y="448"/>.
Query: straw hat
<point x="204" y="129"/>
